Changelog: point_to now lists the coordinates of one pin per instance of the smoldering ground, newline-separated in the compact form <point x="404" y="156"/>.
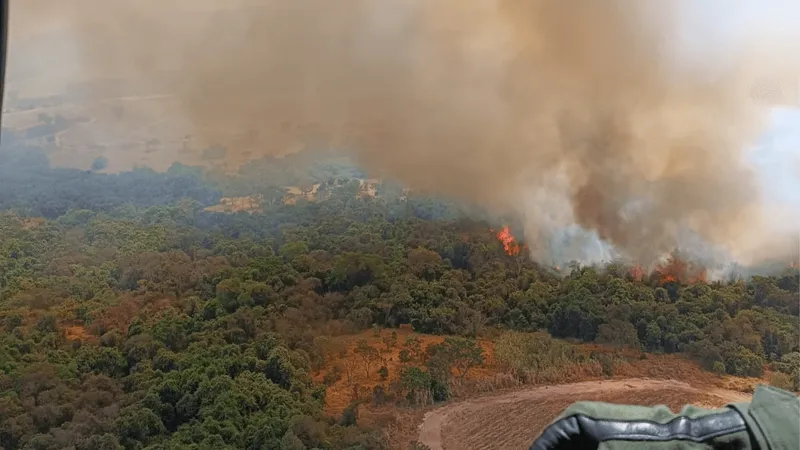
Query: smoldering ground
<point x="581" y="112"/>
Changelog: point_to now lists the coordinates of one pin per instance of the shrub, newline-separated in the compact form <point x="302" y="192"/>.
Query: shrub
<point x="332" y="376"/>
<point x="782" y="381"/>
<point x="606" y="363"/>
<point x="521" y="352"/>
<point x="718" y="368"/>
<point x="350" y="415"/>
<point x="379" y="396"/>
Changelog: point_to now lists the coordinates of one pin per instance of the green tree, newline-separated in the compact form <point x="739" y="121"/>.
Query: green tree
<point x="619" y="334"/>
<point x="290" y="441"/>
<point x="653" y="335"/>
<point x="459" y="353"/>
<point x="416" y="384"/>
<point x="368" y="354"/>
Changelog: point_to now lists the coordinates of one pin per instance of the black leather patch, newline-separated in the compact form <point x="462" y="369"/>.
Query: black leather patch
<point x="581" y="431"/>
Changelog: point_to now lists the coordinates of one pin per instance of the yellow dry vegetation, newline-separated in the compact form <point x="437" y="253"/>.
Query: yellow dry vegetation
<point x="491" y="376"/>
<point x="248" y="204"/>
<point x="361" y="380"/>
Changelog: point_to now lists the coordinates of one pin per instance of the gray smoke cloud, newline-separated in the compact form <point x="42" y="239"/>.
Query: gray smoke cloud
<point x="563" y="113"/>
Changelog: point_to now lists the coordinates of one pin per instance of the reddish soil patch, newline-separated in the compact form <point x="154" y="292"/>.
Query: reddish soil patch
<point x="76" y="333"/>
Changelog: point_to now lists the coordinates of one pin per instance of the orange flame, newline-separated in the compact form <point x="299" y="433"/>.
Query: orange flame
<point x="680" y="271"/>
<point x="509" y="242"/>
<point x="676" y="270"/>
<point x="637" y="272"/>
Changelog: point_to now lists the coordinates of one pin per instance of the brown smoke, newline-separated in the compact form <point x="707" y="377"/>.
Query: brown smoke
<point x="561" y="112"/>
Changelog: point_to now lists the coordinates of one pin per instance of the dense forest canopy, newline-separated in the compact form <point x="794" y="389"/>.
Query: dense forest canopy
<point x="132" y="317"/>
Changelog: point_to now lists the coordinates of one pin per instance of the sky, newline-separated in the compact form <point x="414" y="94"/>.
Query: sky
<point x="777" y="154"/>
<point x="777" y="157"/>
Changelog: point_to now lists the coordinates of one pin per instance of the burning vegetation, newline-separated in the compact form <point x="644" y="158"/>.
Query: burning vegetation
<point x="674" y="270"/>
<point x="510" y="244"/>
<point x="681" y="271"/>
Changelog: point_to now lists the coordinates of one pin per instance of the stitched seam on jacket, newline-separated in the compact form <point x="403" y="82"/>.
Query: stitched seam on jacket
<point x="676" y="437"/>
<point x="739" y="425"/>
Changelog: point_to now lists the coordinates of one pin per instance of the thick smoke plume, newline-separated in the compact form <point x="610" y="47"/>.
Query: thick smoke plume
<point x="596" y="113"/>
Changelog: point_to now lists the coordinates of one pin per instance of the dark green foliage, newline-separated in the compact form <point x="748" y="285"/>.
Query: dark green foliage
<point x="416" y="383"/>
<point x="416" y="445"/>
<point x="440" y="390"/>
<point x="457" y="353"/>
<point x="136" y="319"/>
<point x="350" y="415"/>
<point x="29" y="184"/>
<point x="790" y="365"/>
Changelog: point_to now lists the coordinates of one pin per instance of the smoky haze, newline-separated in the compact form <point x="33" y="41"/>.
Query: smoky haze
<point x="557" y="112"/>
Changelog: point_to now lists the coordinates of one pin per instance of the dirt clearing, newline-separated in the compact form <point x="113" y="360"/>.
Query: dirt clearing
<point x="513" y="420"/>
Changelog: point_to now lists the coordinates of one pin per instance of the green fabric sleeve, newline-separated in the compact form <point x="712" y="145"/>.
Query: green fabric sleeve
<point x="773" y="418"/>
<point x="771" y="421"/>
<point x="604" y="413"/>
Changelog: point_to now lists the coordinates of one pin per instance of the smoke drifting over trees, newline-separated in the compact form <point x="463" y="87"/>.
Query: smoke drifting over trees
<point x="560" y="113"/>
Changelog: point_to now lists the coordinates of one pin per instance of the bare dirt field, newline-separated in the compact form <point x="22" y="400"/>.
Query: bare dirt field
<point x="513" y="420"/>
